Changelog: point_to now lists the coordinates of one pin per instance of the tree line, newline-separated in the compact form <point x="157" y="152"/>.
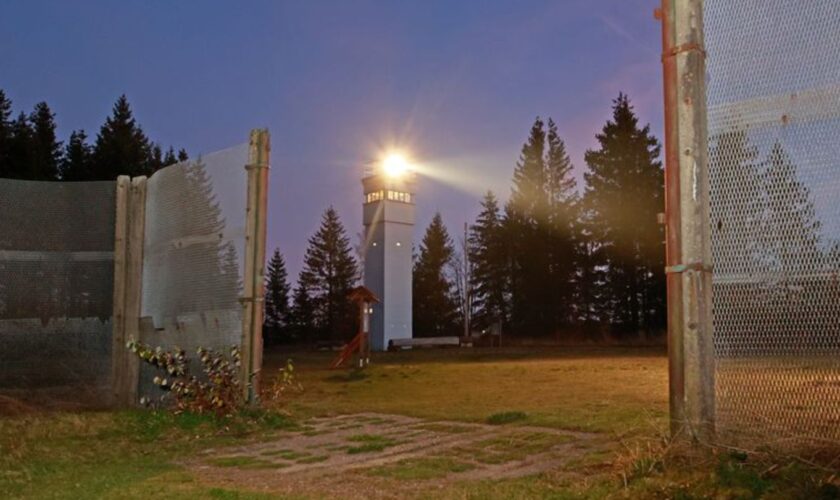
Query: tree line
<point x="31" y="150"/>
<point x="551" y="260"/>
<point x="555" y="260"/>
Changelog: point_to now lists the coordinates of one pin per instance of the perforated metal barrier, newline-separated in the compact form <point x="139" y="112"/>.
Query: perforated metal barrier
<point x="194" y="256"/>
<point x="56" y="277"/>
<point x="773" y="95"/>
<point x="73" y="291"/>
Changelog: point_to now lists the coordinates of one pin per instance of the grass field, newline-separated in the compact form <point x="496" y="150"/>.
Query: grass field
<point x="460" y="423"/>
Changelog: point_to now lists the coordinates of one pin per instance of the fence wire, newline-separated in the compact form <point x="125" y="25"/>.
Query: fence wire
<point x="56" y="288"/>
<point x="773" y="95"/>
<point x="57" y="245"/>
<point x="193" y="258"/>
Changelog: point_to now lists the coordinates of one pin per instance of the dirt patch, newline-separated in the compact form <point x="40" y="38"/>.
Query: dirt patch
<point x="379" y="456"/>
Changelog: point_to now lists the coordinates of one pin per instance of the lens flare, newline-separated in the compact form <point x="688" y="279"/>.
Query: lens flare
<point x="395" y="165"/>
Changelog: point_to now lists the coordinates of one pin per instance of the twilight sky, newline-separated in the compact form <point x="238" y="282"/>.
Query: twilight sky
<point x="456" y="84"/>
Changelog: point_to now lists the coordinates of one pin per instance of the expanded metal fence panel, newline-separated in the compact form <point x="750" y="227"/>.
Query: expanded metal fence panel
<point x="773" y="95"/>
<point x="56" y="288"/>
<point x="193" y="257"/>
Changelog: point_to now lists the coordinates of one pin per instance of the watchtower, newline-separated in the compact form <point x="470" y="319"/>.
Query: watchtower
<point x="388" y="216"/>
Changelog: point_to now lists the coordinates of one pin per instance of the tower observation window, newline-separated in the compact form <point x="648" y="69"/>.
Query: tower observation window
<point x="399" y="196"/>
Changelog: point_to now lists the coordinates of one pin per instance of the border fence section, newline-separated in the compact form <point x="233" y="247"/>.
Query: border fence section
<point x="175" y="260"/>
<point x="56" y="275"/>
<point x="759" y="85"/>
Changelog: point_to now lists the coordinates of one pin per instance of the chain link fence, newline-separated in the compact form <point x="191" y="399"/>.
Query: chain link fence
<point x="773" y="96"/>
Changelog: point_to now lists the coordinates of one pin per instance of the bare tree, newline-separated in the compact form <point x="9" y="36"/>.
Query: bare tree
<point x="460" y="267"/>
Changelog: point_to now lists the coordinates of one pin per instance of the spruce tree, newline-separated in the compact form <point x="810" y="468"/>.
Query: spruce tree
<point x="170" y="158"/>
<point x="561" y="228"/>
<point x="489" y="264"/>
<point x="276" y="327"/>
<point x="155" y="161"/>
<point x="121" y="147"/>
<point x="20" y="157"/>
<point x="525" y="215"/>
<point x="624" y="194"/>
<point x="327" y="278"/>
<point x="5" y="135"/>
<point x="46" y="149"/>
<point x="76" y="161"/>
<point x="540" y="230"/>
<point x="302" y="315"/>
<point x="435" y="309"/>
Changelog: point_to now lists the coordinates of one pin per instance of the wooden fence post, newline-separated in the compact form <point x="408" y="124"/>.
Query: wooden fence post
<point x="254" y="276"/>
<point x="128" y="282"/>
<point x="134" y="282"/>
<point x="118" y="351"/>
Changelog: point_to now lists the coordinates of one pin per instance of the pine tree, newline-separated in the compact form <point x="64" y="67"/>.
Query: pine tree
<point x="562" y="227"/>
<point x="327" y="278"/>
<point x="525" y="215"/>
<point x="624" y="194"/>
<point x="20" y="158"/>
<point x="76" y="161"/>
<point x="46" y="149"/>
<point x="302" y="314"/>
<point x="5" y="135"/>
<point x="170" y="158"/>
<point x="490" y="264"/>
<point x="435" y="309"/>
<point x="540" y="227"/>
<point x="276" y="327"/>
<point x="121" y="147"/>
<point x="155" y="161"/>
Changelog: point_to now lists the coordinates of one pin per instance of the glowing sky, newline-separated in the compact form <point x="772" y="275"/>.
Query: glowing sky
<point x="458" y="84"/>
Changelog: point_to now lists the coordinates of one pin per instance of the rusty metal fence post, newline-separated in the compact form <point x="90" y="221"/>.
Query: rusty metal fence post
<point x="688" y="248"/>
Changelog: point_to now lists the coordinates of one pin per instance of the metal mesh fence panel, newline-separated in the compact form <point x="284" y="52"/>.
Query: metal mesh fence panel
<point x="193" y="257"/>
<point x="773" y="95"/>
<point x="56" y="279"/>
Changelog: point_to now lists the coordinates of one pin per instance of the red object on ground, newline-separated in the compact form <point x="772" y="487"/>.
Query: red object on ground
<point x="348" y="351"/>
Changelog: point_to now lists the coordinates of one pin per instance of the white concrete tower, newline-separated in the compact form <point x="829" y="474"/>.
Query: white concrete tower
<point x="388" y="216"/>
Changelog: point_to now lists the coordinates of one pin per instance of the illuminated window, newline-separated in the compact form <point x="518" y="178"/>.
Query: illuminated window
<point x="374" y="196"/>
<point x="399" y="196"/>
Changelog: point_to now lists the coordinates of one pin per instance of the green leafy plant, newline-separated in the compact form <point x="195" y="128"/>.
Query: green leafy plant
<point x="284" y="382"/>
<point x="218" y="391"/>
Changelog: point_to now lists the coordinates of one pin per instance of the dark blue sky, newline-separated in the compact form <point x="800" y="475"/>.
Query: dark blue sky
<point x="458" y="84"/>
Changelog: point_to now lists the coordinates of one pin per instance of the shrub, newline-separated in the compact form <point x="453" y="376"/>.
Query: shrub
<point x="218" y="391"/>
<point x="285" y="381"/>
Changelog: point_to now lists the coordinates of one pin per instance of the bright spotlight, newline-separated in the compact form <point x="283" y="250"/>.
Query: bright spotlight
<point x="395" y="165"/>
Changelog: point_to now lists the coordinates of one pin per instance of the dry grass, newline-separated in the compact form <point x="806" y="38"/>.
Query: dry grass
<point x="622" y="391"/>
<point x="619" y="393"/>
